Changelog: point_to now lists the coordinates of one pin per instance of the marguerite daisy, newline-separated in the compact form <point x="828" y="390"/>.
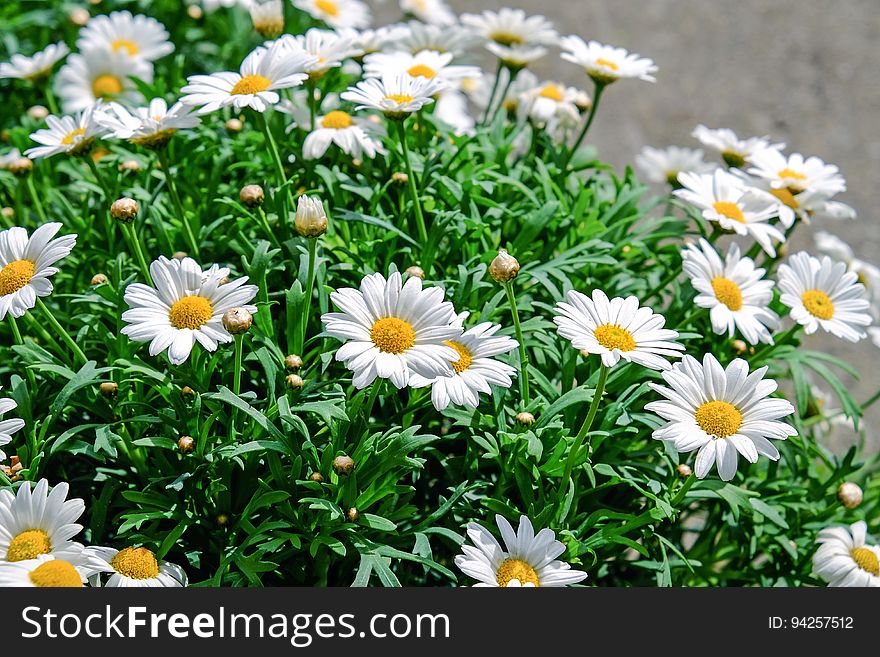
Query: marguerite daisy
<point x="26" y="265"/>
<point x="474" y="370"/>
<point x="720" y="412"/>
<point x="734" y="290"/>
<point x="350" y="133"/>
<point x="46" y="571"/>
<point x="616" y="329"/>
<point x="844" y="557"/>
<point x="796" y="173"/>
<point x="606" y="64"/>
<point x="432" y="12"/>
<point x="662" y="165"/>
<point x="139" y="37"/>
<point x="185" y="307"/>
<point x="427" y="64"/>
<point x="416" y="36"/>
<point x="73" y="135"/>
<point x="868" y="274"/>
<point x="549" y="104"/>
<point x="134" y="567"/>
<point x="734" y="151"/>
<point x="35" y="522"/>
<point x="396" y="96"/>
<point x="823" y="293"/>
<point x="37" y="66"/>
<point x="511" y="27"/>
<point x="393" y="330"/>
<point x="337" y="13"/>
<point x="8" y="427"/>
<point x="528" y="560"/>
<point x="327" y="48"/>
<point x="95" y="76"/>
<point x="516" y="58"/>
<point x="268" y="18"/>
<point x="150" y="127"/>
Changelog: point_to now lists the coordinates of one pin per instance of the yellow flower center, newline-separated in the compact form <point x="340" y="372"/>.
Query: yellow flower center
<point x="727" y="292"/>
<point x="250" y="84"/>
<point x="866" y="559"/>
<point x="719" y="418"/>
<point x="818" y="304"/>
<point x="729" y="210"/>
<point x="106" y="86"/>
<point x="552" y="91"/>
<point x="465" y="358"/>
<point x="422" y="71"/>
<point x="336" y="120"/>
<point x="191" y="312"/>
<point x="328" y="7"/>
<point x="56" y="574"/>
<point x="612" y="336"/>
<point x="400" y="99"/>
<point x="733" y="159"/>
<point x="786" y="197"/>
<point x="791" y="173"/>
<point x="506" y="38"/>
<point x="392" y="335"/>
<point x="516" y="569"/>
<point x="125" y="44"/>
<point x="28" y="545"/>
<point x="601" y="61"/>
<point x="15" y="276"/>
<point x="137" y="563"/>
<point x="67" y="140"/>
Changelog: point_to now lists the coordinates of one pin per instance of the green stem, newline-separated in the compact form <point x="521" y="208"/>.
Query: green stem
<point x="596" y="97"/>
<point x="70" y="342"/>
<point x="50" y="99"/>
<point x="307" y="300"/>
<point x="585" y="429"/>
<point x="138" y="251"/>
<point x="870" y="401"/>
<point x="782" y="339"/>
<point x="662" y="285"/>
<point x="491" y="102"/>
<point x="523" y="354"/>
<point x="413" y="190"/>
<point x="691" y="317"/>
<point x="93" y="166"/>
<point x="313" y="110"/>
<point x="238" y="339"/>
<point x="264" y="221"/>
<point x="32" y="383"/>
<point x="38" y="205"/>
<point x="685" y="487"/>
<point x="162" y="156"/>
<point x="280" y="176"/>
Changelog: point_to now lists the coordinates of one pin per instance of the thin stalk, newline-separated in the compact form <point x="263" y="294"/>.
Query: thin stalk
<point x="523" y="354"/>
<point x="50" y="99"/>
<point x="32" y="383"/>
<point x="162" y="156"/>
<point x="313" y="109"/>
<point x="280" y="176"/>
<point x="685" y="487"/>
<point x="307" y="300"/>
<point x="413" y="189"/>
<point x="65" y="337"/>
<point x="102" y="183"/>
<point x="138" y="251"/>
<point x="236" y="377"/>
<point x="511" y="78"/>
<point x="585" y="429"/>
<point x="596" y="97"/>
<point x="36" y="199"/>
<point x="491" y="102"/>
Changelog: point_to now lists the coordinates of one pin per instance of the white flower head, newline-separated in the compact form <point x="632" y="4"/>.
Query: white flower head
<point x="428" y="64"/>
<point x="720" y="412"/>
<point x="152" y="126"/>
<point x="72" y="135"/>
<point x="94" y="76"/>
<point x="528" y="559"/>
<point x="511" y="27"/>
<point x="452" y="109"/>
<point x="516" y="57"/>
<point x="352" y="134"/>
<point x="37" y="66"/>
<point x="869" y="275"/>
<point x="797" y="173"/>
<point x="734" y="151"/>
<point x="46" y="571"/>
<point x="662" y="165"/>
<point x="138" y="37"/>
<point x="396" y="96"/>
<point x="551" y="105"/>
<point x="606" y="64"/>
<point x="133" y="567"/>
<point x="845" y="558"/>
<point x="337" y="13"/>
<point x="267" y="17"/>
<point x="328" y="49"/>
<point x="8" y="427"/>
<point x="432" y="12"/>
<point x="416" y="36"/>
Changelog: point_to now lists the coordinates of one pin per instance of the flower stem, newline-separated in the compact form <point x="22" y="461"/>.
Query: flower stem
<point x="585" y="429"/>
<point x="70" y="342"/>
<point x="313" y="110"/>
<point x="307" y="300"/>
<point x="50" y="99"/>
<point x="162" y="156"/>
<point x="413" y="189"/>
<point x="32" y="383"/>
<point x="38" y="205"/>
<point x="138" y="251"/>
<point x="93" y="166"/>
<point x="280" y="176"/>
<point x="491" y="102"/>
<point x="523" y="355"/>
<point x="596" y="97"/>
<point x="685" y="487"/>
<point x="238" y="339"/>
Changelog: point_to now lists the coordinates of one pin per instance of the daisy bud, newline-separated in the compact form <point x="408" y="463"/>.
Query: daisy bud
<point x="99" y="153"/>
<point x="293" y="362"/>
<point x="352" y="514"/>
<point x="316" y="477"/>
<point x="14" y="469"/>
<point x="222" y="519"/>
<point x="849" y="494"/>
<point x="109" y="389"/>
<point x="583" y="101"/>
<point x="310" y="220"/>
<point x="504" y="267"/>
<point x="739" y="346"/>
<point x="37" y="112"/>
<point x="234" y="125"/>
<point x="21" y="167"/>
<point x="124" y="210"/>
<point x="98" y="279"/>
<point x="7" y="212"/>
<point x="186" y="391"/>
<point x="416" y="271"/>
<point x="268" y="18"/>
<point x="79" y="16"/>
<point x="343" y="465"/>
<point x="684" y="470"/>
<point x="400" y="177"/>
<point x="237" y="320"/>
<point x="185" y="444"/>
<point x="525" y="418"/>
<point x="357" y="162"/>
<point x="195" y="12"/>
<point x="179" y="255"/>
<point x="626" y="248"/>
<point x="251" y="195"/>
<point x="130" y="165"/>
<point x="294" y="381"/>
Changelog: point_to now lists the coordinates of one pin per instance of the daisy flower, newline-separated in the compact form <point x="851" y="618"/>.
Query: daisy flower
<point x="845" y="559"/>
<point x="393" y="330"/>
<point x="150" y="127"/>
<point x="37" y="66"/>
<point x="726" y="200"/>
<point x="548" y="104"/>
<point x="73" y="135"/>
<point x="9" y="158"/>
<point x="415" y="37"/>
<point x="474" y="370"/>
<point x="796" y="173"/>
<point x="268" y="18"/>
<point x="526" y="559"/>
<point x="662" y="165"/>
<point x="96" y="75"/>
<point x="8" y="427"/>
<point x="432" y="12"/>
<point x="135" y="567"/>
<point x="720" y="412"/>
<point x="26" y="265"/>
<point x="606" y="64"/>
<point x="734" y="151"/>
<point x="351" y="134"/>
<point x="337" y="13"/>
<point x="328" y="50"/>
<point x="262" y="73"/>
<point x="823" y="293"/>
<point x="428" y="64"/>
<point x="511" y="27"/>
<point x="46" y="571"/>
<point x="734" y="290"/>
<point x="868" y="274"/>
<point x="616" y="329"/>
<point x="139" y="37"/>
<point x="516" y="57"/>
<point x="35" y="522"/>
<point x="452" y="109"/>
<point x="396" y="96"/>
<point x="372" y="40"/>
<point x="185" y="307"/>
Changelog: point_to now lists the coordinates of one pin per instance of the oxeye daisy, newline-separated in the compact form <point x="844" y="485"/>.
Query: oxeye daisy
<point x="822" y="293"/>
<point x="73" y="135"/>
<point x="474" y="370"/>
<point x="150" y="127"/>
<point x="516" y="58"/>
<point x="868" y="274"/>
<point x="549" y="104"/>
<point x="844" y="557"/>
<point x="393" y="330"/>
<point x="96" y="75"/>
<point x="527" y="559"/>
<point x="26" y="265"/>
<point x="606" y="64"/>
<point x="615" y="329"/>
<point x="268" y="18"/>
<point x="396" y="96"/>
<point x="734" y="151"/>
<point x="337" y="13"/>
<point x="327" y="49"/>
<point x="662" y="165"/>
<point x="262" y="73"/>
<point x="185" y="307"/>
<point x="511" y="27"/>
<point x="726" y="200"/>
<point x="46" y="571"/>
<point x="416" y="36"/>
<point x="432" y="12"/>
<point x="8" y="427"/>
<point x="372" y="40"/>
<point x="720" y="412"/>
<point x="134" y="567"/>
<point x="139" y="37"/>
<point x="734" y="290"/>
<point x="795" y="173"/>
<point x="350" y="133"/>
<point x="428" y="64"/>
<point x="35" y="522"/>
<point x="37" y="66"/>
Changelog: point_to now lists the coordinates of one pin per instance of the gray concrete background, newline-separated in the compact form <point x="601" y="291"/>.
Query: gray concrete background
<point x="806" y="72"/>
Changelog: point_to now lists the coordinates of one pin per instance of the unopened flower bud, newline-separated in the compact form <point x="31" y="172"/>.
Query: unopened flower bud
<point x="294" y="381"/>
<point x="293" y="362"/>
<point x="98" y="279"/>
<point x="343" y="465"/>
<point x="179" y="255"/>
<point x="416" y="271"/>
<point x="504" y="267"/>
<point x="185" y="444"/>
<point x="400" y="177"/>
<point x="251" y="195"/>
<point x="7" y="212"/>
<point x="186" y="391"/>
<point x="234" y="125"/>
<point x="237" y="320"/>
<point x="310" y="220"/>
<point x="739" y="346"/>
<point x="124" y="210"/>
<point x="79" y="16"/>
<point x="684" y="470"/>
<point x="21" y="167"/>
<point x="37" y="112"/>
<point x="130" y="165"/>
<point x="316" y="477"/>
<point x="195" y="12"/>
<point x="352" y="514"/>
<point x="268" y="18"/>
<point x="849" y="494"/>
<point x="525" y="418"/>
<point x="109" y="388"/>
<point x="222" y="519"/>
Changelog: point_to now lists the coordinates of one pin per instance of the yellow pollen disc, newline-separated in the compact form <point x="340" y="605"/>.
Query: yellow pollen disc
<point x="791" y="173"/>
<point x="15" y="276"/>
<point x="516" y="569"/>
<point x="727" y="292"/>
<point x="125" y="44"/>
<point x="190" y="312"/>
<point x="719" y="418"/>
<point x="400" y="99"/>
<point x="552" y="91"/>
<point x="328" y="7"/>
<point x="506" y="38"/>
<point x="336" y="120"/>
<point x="465" y="358"/>
<point x="786" y="197"/>
<point x="818" y="304"/>
<point x="70" y="136"/>
<point x="729" y="210"/>
<point x="55" y="574"/>
<point x="867" y="560"/>
<point x="250" y="84"/>
<point x="106" y="86"/>
<point x="612" y="336"/>
<point x="422" y="71"/>
<point x="733" y="159"/>
<point x="392" y="335"/>
<point x="137" y="563"/>
<point x="28" y="545"/>
<point x="607" y="64"/>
